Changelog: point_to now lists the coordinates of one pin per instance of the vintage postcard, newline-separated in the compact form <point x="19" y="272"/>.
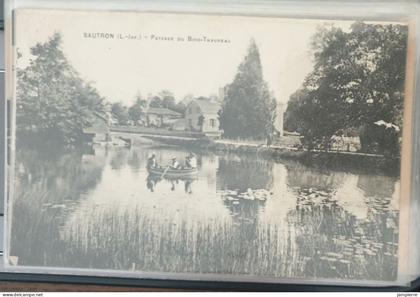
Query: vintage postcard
<point x="236" y="147"/>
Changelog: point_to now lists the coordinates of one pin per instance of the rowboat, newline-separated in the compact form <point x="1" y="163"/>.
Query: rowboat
<point x="173" y="173"/>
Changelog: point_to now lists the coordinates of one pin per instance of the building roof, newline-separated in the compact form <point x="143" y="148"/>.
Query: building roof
<point x="162" y="112"/>
<point x="208" y="106"/>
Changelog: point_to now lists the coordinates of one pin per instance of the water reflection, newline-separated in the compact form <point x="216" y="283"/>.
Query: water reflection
<point x="241" y="215"/>
<point x="187" y="182"/>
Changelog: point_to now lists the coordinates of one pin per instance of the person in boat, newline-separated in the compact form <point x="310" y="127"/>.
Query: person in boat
<point x="151" y="162"/>
<point x="174" y="164"/>
<point x="191" y="161"/>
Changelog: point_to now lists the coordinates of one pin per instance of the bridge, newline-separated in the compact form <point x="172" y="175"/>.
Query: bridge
<point x="156" y="132"/>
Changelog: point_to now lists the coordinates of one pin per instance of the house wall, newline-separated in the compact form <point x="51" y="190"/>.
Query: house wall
<point x="211" y="123"/>
<point x="192" y="115"/>
<point x="154" y="120"/>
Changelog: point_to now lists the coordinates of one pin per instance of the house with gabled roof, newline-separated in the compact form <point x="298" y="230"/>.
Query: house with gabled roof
<point x="202" y="115"/>
<point x="159" y="117"/>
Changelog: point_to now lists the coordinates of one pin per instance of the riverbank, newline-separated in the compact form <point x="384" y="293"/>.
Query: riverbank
<point x="340" y="160"/>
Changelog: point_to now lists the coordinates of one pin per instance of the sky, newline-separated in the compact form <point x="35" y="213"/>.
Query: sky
<point x="147" y="52"/>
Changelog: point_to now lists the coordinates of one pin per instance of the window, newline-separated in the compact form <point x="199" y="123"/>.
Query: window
<point x="212" y="123"/>
<point x="190" y="122"/>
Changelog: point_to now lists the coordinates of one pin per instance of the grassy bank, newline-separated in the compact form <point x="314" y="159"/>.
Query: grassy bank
<point x="333" y="160"/>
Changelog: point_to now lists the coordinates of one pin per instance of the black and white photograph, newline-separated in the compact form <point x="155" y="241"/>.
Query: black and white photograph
<point x="238" y="147"/>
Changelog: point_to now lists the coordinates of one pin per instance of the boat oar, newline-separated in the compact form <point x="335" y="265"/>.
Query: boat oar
<point x="164" y="172"/>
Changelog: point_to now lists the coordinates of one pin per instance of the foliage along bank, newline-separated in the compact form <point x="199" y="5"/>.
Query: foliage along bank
<point x="355" y="88"/>
<point x="53" y="101"/>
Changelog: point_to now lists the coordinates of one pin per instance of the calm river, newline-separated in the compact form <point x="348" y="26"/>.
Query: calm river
<point x="100" y="209"/>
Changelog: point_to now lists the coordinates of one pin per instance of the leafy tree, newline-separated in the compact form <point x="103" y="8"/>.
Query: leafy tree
<point x="248" y="110"/>
<point x="165" y="93"/>
<point x="291" y="122"/>
<point x="135" y="111"/>
<point x="52" y="99"/>
<point x="120" y="113"/>
<point x="166" y="99"/>
<point x="180" y="107"/>
<point x="358" y="80"/>
<point x="169" y="102"/>
<point x="156" y="102"/>
<point x="187" y="99"/>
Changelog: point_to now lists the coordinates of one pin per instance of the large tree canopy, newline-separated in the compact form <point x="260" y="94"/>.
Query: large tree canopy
<point x="248" y="110"/>
<point x="120" y="112"/>
<point x="52" y="99"/>
<point x="357" y="82"/>
<point x="135" y="111"/>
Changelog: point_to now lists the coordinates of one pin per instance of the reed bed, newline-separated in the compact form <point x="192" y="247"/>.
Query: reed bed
<point x="133" y="240"/>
